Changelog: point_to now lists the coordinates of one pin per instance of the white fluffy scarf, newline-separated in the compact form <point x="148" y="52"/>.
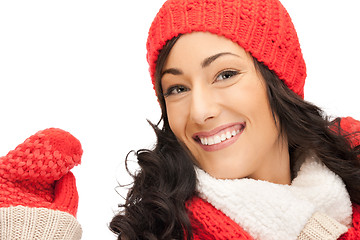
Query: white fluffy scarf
<point x="269" y="211"/>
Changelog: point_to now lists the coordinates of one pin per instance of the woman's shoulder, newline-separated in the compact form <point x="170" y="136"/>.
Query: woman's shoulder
<point x="350" y="127"/>
<point x="354" y="232"/>
<point x="207" y="222"/>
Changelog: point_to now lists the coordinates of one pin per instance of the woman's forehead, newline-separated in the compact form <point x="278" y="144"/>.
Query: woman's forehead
<point x="202" y="45"/>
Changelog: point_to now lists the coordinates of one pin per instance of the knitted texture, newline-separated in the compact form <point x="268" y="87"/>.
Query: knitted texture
<point x="354" y="232"/>
<point x="209" y="223"/>
<point x="36" y="173"/>
<point x="269" y="211"/>
<point x="351" y="129"/>
<point x="261" y="27"/>
<point x="321" y="226"/>
<point x="24" y="223"/>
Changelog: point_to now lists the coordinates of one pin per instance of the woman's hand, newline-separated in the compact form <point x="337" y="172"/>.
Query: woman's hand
<point x="35" y="181"/>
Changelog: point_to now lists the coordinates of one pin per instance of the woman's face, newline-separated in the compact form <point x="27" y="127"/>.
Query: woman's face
<point x="217" y="106"/>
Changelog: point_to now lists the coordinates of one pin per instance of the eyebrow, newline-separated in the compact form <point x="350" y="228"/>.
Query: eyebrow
<point x="205" y="63"/>
<point x="209" y="60"/>
<point x="173" y="71"/>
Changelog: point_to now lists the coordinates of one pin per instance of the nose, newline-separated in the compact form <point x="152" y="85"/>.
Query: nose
<point x="203" y="104"/>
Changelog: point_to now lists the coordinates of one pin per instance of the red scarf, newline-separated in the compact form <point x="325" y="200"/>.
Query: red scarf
<point x="209" y="223"/>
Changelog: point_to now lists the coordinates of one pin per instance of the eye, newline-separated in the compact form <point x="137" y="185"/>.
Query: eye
<point x="175" y="90"/>
<point x="226" y="74"/>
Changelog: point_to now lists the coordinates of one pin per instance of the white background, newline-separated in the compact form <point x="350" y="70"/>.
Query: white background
<point x="80" y="66"/>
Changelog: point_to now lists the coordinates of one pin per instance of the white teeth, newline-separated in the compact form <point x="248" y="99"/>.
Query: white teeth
<point x="219" y="138"/>
<point x="228" y="135"/>
<point x="223" y="137"/>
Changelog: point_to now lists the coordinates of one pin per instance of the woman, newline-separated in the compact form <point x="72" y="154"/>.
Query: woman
<point x="239" y="154"/>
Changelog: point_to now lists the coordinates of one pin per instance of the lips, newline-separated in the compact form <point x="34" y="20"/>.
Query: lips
<point x="213" y="140"/>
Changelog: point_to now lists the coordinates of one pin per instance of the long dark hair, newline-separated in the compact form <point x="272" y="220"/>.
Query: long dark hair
<point x="155" y="205"/>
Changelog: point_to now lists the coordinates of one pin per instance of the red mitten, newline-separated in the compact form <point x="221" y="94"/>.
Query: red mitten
<point x="38" y="195"/>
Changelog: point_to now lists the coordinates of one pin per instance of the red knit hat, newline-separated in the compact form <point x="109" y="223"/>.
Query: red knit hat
<point x="261" y="27"/>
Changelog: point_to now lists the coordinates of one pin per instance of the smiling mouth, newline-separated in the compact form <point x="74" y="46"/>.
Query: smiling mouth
<point x="220" y="136"/>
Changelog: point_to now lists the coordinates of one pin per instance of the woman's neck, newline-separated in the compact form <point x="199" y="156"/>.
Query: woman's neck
<point x="276" y="167"/>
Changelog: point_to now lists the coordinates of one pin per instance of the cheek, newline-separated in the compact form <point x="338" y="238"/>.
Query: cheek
<point x="248" y="97"/>
<point x="263" y="115"/>
<point x="262" y="120"/>
<point x="252" y="102"/>
<point x="177" y="120"/>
